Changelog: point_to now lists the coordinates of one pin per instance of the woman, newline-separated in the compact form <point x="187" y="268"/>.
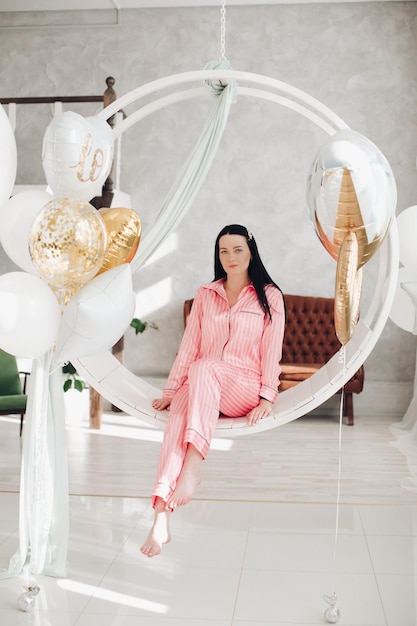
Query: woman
<point x="228" y="363"/>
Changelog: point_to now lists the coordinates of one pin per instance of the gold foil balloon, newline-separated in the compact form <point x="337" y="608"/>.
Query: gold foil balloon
<point x="351" y="187"/>
<point x="123" y="228"/>
<point x="348" y="288"/>
<point x="67" y="243"/>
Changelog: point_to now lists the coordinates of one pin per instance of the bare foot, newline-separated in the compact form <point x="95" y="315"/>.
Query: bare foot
<point x="160" y="532"/>
<point x="188" y="480"/>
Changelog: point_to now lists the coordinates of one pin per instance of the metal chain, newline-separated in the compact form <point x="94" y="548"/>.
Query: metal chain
<point x="223" y="32"/>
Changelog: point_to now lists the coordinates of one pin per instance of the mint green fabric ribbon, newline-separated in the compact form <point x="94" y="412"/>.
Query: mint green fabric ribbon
<point x="194" y="171"/>
<point x="44" y="507"/>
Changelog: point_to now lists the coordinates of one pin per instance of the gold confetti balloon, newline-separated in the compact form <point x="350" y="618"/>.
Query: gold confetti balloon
<point x="351" y="188"/>
<point x="67" y="244"/>
<point x="123" y="228"/>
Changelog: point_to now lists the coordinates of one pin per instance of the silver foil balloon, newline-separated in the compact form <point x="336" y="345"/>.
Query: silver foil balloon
<point x="351" y="187"/>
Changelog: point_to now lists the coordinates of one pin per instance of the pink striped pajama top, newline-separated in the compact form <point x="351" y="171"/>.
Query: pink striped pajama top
<point x="241" y="335"/>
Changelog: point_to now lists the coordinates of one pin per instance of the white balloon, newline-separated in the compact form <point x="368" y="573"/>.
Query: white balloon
<point x="29" y="315"/>
<point x="403" y="312"/>
<point x="97" y="315"/>
<point x="16" y="217"/>
<point x="77" y="155"/>
<point x="8" y="157"/>
<point x="407" y="234"/>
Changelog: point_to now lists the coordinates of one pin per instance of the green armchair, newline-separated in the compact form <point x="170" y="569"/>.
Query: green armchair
<point x="12" y="394"/>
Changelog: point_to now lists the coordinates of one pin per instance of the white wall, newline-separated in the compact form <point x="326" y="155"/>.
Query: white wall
<point x="357" y="58"/>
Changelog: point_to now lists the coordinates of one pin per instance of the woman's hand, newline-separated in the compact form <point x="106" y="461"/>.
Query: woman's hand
<point x="161" y="403"/>
<point x="263" y="409"/>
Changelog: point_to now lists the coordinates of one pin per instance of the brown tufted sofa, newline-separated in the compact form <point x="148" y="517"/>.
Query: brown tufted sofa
<point x="309" y="342"/>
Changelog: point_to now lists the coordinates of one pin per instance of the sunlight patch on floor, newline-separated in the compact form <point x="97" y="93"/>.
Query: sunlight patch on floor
<point x="112" y="596"/>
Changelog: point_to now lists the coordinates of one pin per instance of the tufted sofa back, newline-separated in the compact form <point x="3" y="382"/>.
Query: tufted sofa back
<point x="310" y="336"/>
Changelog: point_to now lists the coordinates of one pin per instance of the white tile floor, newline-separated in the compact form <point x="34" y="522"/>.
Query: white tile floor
<point x="231" y="563"/>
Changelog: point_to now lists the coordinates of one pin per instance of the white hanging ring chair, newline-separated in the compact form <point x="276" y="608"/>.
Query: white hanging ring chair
<point x="132" y="394"/>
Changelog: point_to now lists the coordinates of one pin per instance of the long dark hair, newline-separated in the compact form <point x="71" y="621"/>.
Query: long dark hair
<point x="257" y="272"/>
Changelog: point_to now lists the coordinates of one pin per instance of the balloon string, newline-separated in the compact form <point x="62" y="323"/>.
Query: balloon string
<point x="339" y="473"/>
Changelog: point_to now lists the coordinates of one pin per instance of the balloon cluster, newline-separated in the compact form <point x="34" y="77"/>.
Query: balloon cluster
<point x="75" y="292"/>
<point x="351" y="196"/>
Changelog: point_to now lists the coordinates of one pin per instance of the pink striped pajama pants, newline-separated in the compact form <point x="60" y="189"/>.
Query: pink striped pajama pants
<point x="212" y="387"/>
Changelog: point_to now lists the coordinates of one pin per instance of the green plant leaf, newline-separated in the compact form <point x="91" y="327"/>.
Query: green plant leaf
<point x="67" y="384"/>
<point x="79" y="384"/>
<point x="138" y="325"/>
